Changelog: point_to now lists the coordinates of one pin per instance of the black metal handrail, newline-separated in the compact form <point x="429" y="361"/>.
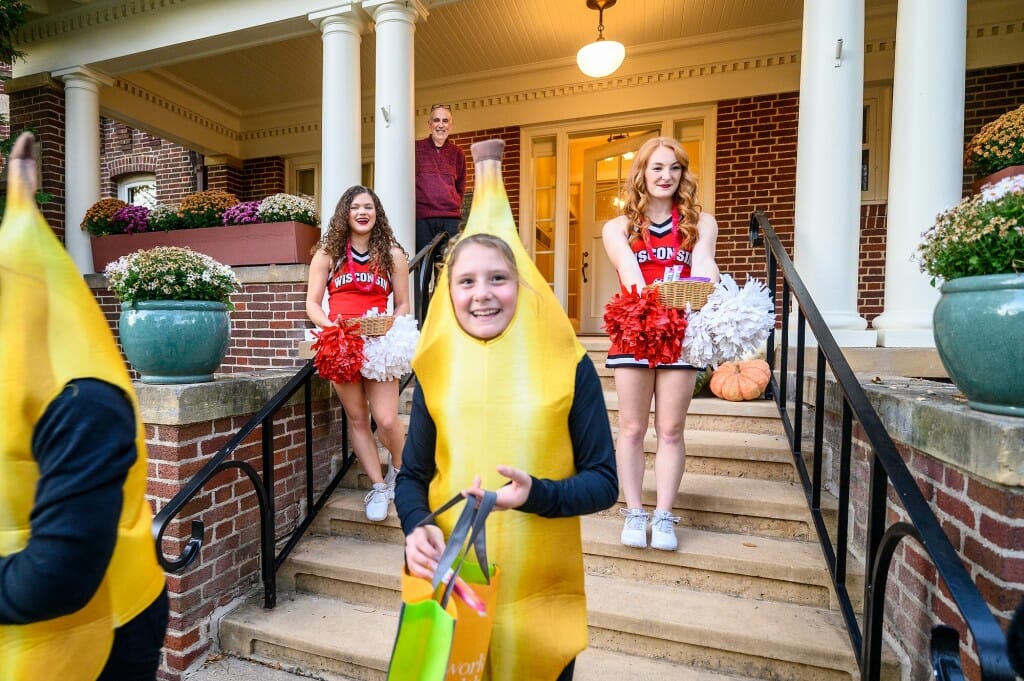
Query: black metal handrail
<point x="423" y="267"/>
<point x="887" y="471"/>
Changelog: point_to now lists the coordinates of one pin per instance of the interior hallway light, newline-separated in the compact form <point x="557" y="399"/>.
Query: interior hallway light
<point x="601" y="57"/>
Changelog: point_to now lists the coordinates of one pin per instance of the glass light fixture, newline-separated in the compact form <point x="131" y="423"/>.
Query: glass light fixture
<point x="601" y="57"/>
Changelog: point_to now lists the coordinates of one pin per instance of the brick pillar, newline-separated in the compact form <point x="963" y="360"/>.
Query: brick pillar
<point x="37" y="103"/>
<point x="263" y="177"/>
<point x="187" y="426"/>
<point x="224" y="173"/>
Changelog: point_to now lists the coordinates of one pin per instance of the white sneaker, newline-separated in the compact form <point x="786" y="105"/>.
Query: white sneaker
<point x="377" y="502"/>
<point x="634" y="532"/>
<point x="663" y="531"/>
<point x="389" y="481"/>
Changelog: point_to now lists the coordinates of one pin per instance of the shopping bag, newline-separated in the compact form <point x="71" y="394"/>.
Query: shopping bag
<point x="440" y="637"/>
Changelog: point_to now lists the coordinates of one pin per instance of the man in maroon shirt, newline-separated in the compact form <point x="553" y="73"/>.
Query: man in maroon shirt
<point x="440" y="179"/>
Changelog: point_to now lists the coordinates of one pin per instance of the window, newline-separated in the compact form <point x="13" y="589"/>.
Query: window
<point x="303" y="177"/>
<point x="138" y="189"/>
<point x="874" y="147"/>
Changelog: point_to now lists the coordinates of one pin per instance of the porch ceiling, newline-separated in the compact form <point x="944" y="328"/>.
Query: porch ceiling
<point x="473" y="36"/>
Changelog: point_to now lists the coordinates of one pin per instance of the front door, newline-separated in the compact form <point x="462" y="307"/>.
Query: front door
<point x="604" y="171"/>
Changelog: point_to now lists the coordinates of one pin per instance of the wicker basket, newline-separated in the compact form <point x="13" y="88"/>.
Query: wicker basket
<point x="371" y="326"/>
<point x="678" y="293"/>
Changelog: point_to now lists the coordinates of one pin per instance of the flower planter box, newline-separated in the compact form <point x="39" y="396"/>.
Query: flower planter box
<point x="1006" y="172"/>
<point x="266" y="243"/>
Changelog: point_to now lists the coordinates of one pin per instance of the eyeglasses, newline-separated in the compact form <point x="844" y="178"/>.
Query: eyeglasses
<point x="441" y="106"/>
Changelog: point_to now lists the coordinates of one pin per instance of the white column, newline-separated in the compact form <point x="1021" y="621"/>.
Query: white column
<point x="925" y="158"/>
<point x="81" y="156"/>
<point x="827" y="212"/>
<point x="394" y="152"/>
<point x="341" y="150"/>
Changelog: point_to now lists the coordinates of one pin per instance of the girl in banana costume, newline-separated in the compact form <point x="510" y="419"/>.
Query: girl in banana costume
<point x="507" y="399"/>
<point x="81" y="593"/>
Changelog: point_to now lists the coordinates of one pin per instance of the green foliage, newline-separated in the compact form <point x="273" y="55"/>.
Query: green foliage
<point x="999" y="144"/>
<point x="99" y="219"/>
<point x="983" y="234"/>
<point x="205" y="209"/>
<point x="12" y="17"/>
<point x="170" y="273"/>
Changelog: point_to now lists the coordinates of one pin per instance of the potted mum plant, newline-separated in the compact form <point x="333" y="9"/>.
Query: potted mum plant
<point x="280" y="229"/>
<point x="976" y="251"/>
<point x="997" y="151"/>
<point x="174" y="322"/>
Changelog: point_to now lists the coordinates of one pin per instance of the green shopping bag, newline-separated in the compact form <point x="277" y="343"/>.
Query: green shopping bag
<point x="427" y="621"/>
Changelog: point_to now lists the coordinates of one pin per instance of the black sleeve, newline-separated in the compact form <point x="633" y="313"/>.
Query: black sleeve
<point x="595" y="486"/>
<point x="84" y="446"/>
<point x="418" y="465"/>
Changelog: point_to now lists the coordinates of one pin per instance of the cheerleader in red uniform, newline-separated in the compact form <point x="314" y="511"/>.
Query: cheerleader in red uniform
<point x="662" y="235"/>
<point x="360" y="264"/>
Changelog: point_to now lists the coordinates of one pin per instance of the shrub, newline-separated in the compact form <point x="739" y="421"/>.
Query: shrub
<point x="205" y="209"/>
<point x="285" y="207"/>
<point x="999" y="144"/>
<point x="131" y="219"/>
<point x="164" y="218"/>
<point x="170" y="273"/>
<point x="244" y="213"/>
<point x="99" y="219"/>
<point x="983" y="234"/>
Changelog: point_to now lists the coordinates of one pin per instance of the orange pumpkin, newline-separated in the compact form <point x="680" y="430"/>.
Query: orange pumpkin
<point x="743" y="380"/>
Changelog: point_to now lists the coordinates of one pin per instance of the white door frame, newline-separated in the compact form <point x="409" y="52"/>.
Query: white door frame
<point x="562" y="130"/>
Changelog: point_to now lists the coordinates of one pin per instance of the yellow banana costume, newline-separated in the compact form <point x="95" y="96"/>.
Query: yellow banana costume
<point x="51" y="332"/>
<point x="506" y="401"/>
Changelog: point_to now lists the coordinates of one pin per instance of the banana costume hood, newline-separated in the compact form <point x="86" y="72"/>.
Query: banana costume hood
<point x="506" y="401"/>
<point x="52" y="332"/>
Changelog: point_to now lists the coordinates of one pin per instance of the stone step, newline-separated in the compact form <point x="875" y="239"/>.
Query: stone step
<point x="734" y="454"/>
<point x="354" y="619"/>
<point x="354" y="641"/>
<point x="711" y="413"/>
<point x="753" y="566"/>
<point x="767" y="508"/>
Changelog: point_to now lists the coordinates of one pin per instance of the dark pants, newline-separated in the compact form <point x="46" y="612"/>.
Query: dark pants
<point x="428" y="228"/>
<point x="566" y="674"/>
<point x="136" y="652"/>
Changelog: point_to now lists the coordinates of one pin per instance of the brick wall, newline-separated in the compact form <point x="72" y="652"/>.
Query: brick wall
<point x="262" y="177"/>
<point x="5" y="105"/>
<point x="981" y="518"/>
<point x="267" y="325"/>
<point x="989" y="94"/>
<point x="226" y="177"/>
<point x="228" y="566"/>
<point x="510" y="164"/>
<point x="41" y="108"/>
<point x="871" y="277"/>
<point x="176" y="172"/>
<point x="755" y="169"/>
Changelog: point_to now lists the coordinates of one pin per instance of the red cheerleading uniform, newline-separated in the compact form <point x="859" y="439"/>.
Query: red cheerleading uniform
<point x="660" y="253"/>
<point x="353" y="289"/>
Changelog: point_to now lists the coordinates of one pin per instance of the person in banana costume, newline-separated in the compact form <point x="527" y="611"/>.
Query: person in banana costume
<point x="507" y="399"/>
<point x="82" y="595"/>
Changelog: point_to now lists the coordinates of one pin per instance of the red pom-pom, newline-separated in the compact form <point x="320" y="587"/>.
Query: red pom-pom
<point x="339" y="355"/>
<point x="641" y="326"/>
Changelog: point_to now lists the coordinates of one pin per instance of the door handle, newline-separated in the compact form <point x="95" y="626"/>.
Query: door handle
<point x="583" y="268"/>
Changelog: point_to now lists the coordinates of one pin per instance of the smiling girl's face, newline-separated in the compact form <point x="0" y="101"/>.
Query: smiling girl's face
<point x="484" y="289"/>
<point x="663" y="173"/>
<point x="362" y="214"/>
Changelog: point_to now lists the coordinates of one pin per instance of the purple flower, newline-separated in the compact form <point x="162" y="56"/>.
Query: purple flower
<point x="131" y="219"/>
<point x="244" y="213"/>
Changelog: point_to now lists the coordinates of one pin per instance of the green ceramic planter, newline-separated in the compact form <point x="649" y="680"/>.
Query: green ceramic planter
<point x="175" y="341"/>
<point x="979" y="333"/>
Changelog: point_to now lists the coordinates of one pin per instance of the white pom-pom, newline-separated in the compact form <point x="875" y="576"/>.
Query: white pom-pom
<point x="388" y="357"/>
<point x="734" y="322"/>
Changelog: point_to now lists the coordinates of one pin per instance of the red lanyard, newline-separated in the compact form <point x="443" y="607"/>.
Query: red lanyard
<point x="675" y="247"/>
<point x="361" y="286"/>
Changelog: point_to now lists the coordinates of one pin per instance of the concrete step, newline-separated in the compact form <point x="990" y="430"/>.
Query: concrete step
<point x="711" y="413"/>
<point x="766" y="508"/>
<point x="749" y="565"/>
<point x="354" y="641"/>
<point x="734" y="454"/>
<point x="347" y="635"/>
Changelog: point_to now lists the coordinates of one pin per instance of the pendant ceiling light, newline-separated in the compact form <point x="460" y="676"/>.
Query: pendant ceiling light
<point x="601" y="57"/>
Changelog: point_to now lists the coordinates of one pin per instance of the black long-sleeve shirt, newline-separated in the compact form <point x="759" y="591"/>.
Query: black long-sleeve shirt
<point x="84" y="445"/>
<point x="593" y="487"/>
